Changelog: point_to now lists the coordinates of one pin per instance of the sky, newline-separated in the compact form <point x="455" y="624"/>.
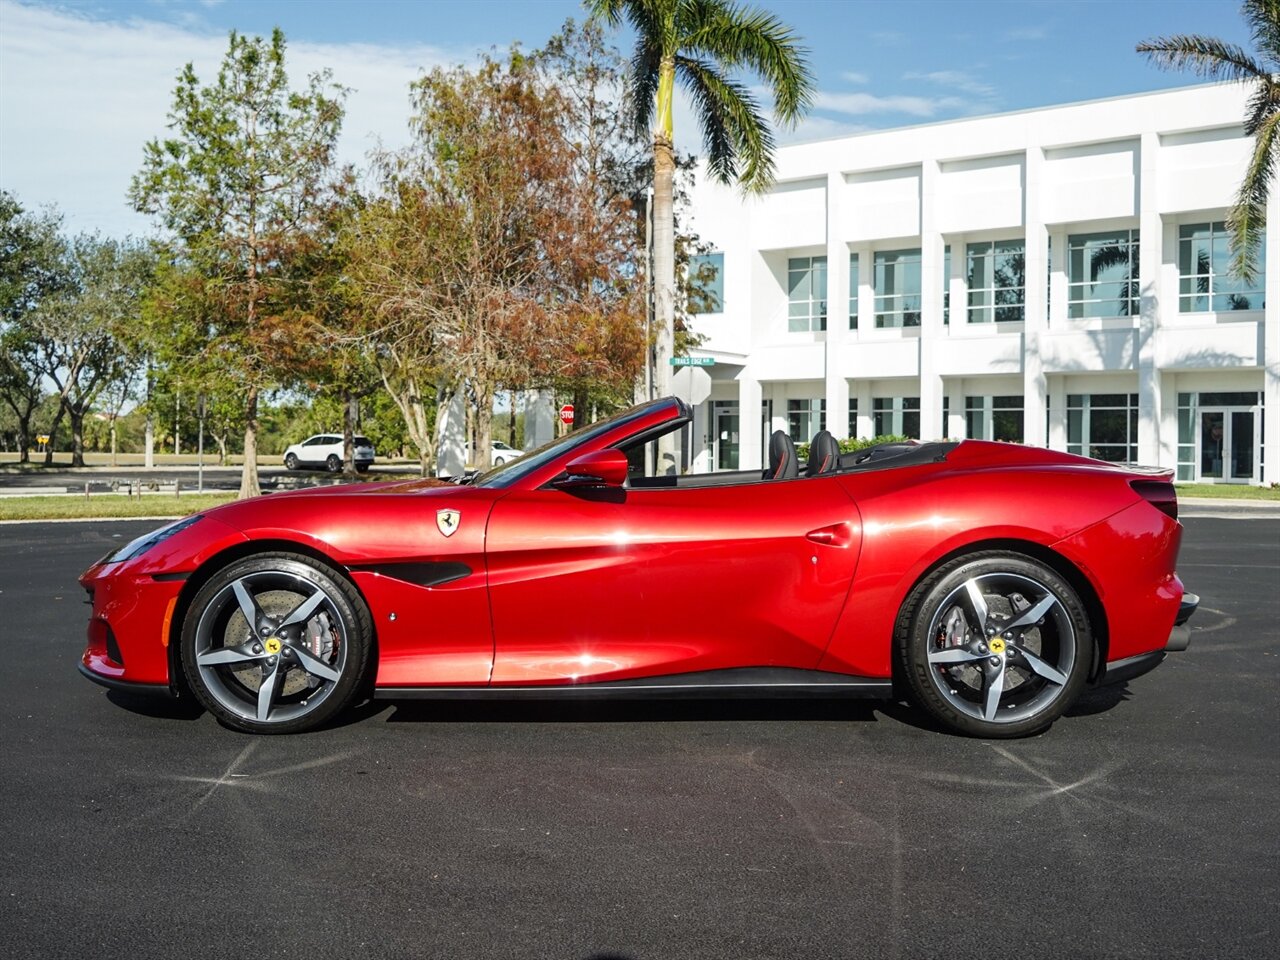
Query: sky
<point x="84" y="85"/>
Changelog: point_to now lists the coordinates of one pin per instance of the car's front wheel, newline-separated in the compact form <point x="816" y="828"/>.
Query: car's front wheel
<point x="276" y="643"/>
<point x="994" y="645"/>
<point x="291" y="461"/>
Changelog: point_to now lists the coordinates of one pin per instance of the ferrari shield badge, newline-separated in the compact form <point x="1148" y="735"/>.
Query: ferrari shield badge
<point x="447" y="521"/>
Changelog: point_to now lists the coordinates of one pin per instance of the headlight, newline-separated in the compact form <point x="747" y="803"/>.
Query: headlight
<point x="138" y="547"/>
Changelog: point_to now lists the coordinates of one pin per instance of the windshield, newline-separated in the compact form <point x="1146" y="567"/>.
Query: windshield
<point x="504" y="475"/>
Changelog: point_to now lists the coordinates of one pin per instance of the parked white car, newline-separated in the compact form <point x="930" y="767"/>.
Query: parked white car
<point x="325" y="450"/>
<point x="502" y="453"/>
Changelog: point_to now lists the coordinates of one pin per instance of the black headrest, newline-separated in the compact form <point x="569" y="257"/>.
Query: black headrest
<point x="782" y="457"/>
<point x="824" y="454"/>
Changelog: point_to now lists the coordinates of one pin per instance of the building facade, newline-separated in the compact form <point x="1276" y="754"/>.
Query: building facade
<point x="1054" y="276"/>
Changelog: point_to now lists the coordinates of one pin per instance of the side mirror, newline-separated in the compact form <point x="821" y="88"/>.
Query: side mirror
<point x="602" y="468"/>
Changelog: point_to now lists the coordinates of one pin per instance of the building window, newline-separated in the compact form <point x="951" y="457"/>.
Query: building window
<point x="896" y="417"/>
<point x="1205" y="283"/>
<point x="993" y="418"/>
<point x="805" y="418"/>
<point x="1102" y="275"/>
<point x="997" y="281"/>
<point x="1103" y="426"/>
<point x="853" y="291"/>
<point x="897" y="283"/>
<point x="706" y="283"/>
<point x="853" y="416"/>
<point x="806" y="293"/>
<point x="946" y="285"/>
<point x="946" y="417"/>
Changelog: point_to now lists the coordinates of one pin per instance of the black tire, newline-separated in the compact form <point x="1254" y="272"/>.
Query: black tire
<point x="498" y="461"/>
<point x="291" y="462"/>
<point x="334" y="463"/>
<point x="315" y="664"/>
<point x="994" y="645"/>
<point x="362" y="468"/>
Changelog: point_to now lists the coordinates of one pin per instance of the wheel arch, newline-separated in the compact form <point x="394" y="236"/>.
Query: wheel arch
<point x="220" y="561"/>
<point x="1051" y="558"/>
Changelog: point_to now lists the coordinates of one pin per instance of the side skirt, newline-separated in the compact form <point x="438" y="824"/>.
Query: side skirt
<point x="748" y="683"/>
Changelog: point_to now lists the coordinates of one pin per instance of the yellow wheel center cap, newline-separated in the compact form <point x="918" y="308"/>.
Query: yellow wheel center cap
<point x="996" y="645"/>
<point x="272" y="645"/>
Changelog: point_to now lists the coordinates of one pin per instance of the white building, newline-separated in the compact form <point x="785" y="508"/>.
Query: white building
<point x="1053" y="276"/>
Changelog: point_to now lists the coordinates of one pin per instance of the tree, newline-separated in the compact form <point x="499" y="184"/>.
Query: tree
<point x="82" y="332"/>
<point x="702" y="44"/>
<point x="32" y="268"/>
<point x="1210" y="57"/>
<point x="238" y="185"/>
<point x="591" y="345"/>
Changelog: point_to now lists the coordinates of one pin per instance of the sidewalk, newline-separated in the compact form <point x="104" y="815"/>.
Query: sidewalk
<point x="1228" y="509"/>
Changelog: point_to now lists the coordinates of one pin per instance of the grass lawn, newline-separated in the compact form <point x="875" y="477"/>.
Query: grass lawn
<point x="107" y="505"/>
<point x="1226" y="491"/>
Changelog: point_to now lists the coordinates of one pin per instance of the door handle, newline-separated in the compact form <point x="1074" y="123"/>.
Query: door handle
<point x="835" y="535"/>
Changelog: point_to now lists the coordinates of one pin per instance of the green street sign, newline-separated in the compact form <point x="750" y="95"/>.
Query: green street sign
<point x="693" y="361"/>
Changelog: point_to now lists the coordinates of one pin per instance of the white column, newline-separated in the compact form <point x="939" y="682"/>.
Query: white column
<point x="958" y="282"/>
<point x="1034" y="384"/>
<point x="957" y="427"/>
<point x="931" y="328"/>
<point x="1271" y="343"/>
<point x="836" y="388"/>
<point x="1058" y="290"/>
<point x="1150" y="258"/>
<point x="750" y="454"/>
<point x="1057" y="413"/>
<point x="866" y="424"/>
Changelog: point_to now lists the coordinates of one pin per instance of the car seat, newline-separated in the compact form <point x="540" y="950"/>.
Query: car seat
<point x="782" y="458"/>
<point x="824" y="454"/>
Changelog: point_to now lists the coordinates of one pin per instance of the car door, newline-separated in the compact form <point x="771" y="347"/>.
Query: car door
<point x="603" y="584"/>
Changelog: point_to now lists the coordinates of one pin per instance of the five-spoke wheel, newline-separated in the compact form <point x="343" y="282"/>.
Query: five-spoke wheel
<point x="290" y="462"/>
<point x="995" y="645"/>
<point x="275" y="643"/>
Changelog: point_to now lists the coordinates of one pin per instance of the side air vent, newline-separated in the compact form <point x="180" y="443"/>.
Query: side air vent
<point x="1159" y="493"/>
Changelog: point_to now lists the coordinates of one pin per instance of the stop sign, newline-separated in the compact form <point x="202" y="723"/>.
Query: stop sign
<point x="566" y="413"/>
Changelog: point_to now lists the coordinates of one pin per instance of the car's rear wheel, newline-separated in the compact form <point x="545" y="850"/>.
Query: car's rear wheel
<point x="334" y="463"/>
<point x="994" y="645"/>
<point x="276" y="643"/>
<point x="291" y="462"/>
<point x="362" y="467"/>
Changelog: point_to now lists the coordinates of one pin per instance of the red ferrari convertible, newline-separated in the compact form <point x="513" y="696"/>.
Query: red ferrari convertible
<point x="988" y="583"/>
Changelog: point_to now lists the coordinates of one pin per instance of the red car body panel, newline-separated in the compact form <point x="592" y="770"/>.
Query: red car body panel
<point x="667" y="580"/>
<point x="538" y="584"/>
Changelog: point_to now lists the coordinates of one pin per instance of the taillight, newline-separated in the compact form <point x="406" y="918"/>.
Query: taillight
<point x="1159" y="493"/>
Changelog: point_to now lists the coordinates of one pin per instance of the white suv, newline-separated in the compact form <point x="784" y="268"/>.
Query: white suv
<point x="325" y="450"/>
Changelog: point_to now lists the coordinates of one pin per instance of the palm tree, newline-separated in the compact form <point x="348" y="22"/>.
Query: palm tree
<point x="1210" y="57"/>
<point x="701" y="44"/>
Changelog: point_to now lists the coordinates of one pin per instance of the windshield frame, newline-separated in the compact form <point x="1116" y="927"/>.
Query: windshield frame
<point x="513" y="471"/>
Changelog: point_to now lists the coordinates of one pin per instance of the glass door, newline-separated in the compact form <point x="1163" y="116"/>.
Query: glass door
<point x="1228" y="445"/>
<point x="726" y="428"/>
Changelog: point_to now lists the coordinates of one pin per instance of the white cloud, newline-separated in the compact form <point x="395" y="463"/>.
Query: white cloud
<point x="79" y="97"/>
<point x="955" y="79"/>
<point x="1025" y="33"/>
<point x="861" y="104"/>
<point x="857" y="78"/>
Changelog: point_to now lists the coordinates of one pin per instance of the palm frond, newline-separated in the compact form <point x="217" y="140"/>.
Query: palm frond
<point x="1264" y="104"/>
<point x="1248" y="218"/>
<point x="737" y="36"/>
<point x="642" y="85"/>
<point x="1263" y="18"/>
<point x="1205" y="56"/>
<point x="730" y="116"/>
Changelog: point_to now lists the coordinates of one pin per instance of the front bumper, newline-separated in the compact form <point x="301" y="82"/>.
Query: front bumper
<point x="1120" y="671"/>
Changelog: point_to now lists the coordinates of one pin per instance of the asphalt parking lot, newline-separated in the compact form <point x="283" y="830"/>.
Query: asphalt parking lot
<point x="1144" y="824"/>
